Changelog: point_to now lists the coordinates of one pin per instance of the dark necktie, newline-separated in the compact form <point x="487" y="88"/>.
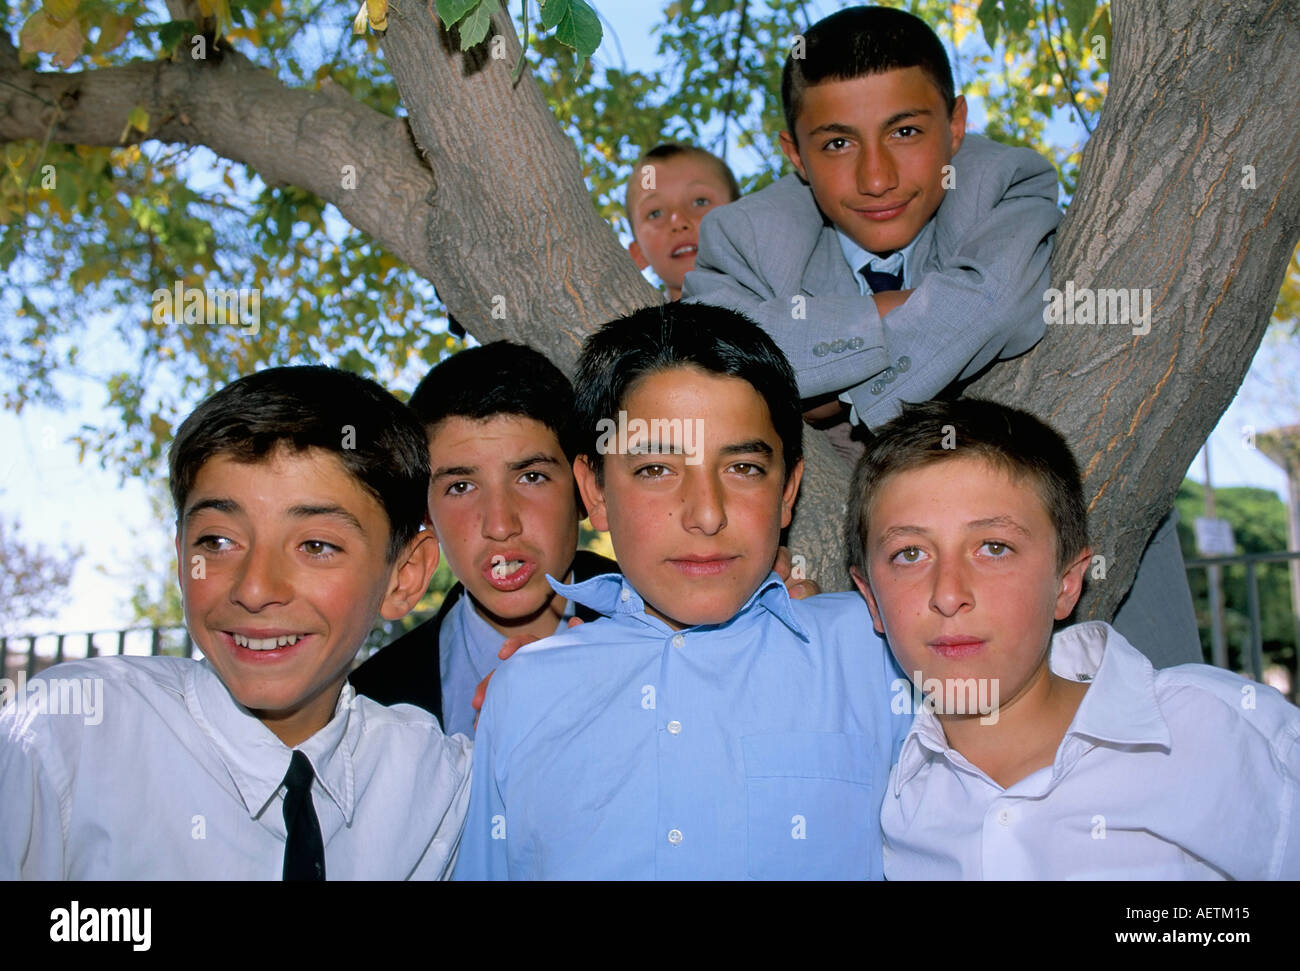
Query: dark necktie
<point x="880" y="282"/>
<point x="304" y="850"/>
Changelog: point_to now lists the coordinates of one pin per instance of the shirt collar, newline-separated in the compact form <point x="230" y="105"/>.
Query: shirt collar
<point x="612" y="595"/>
<point x="1120" y="707"/>
<point x="897" y="262"/>
<point x="256" y="759"/>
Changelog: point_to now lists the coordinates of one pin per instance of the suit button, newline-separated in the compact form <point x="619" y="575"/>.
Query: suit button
<point x="821" y="349"/>
<point x="856" y="344"/>
<point x="838" y="346"/>
<point x="887" y="375"/>
<point x="903" y="364"/>
<point x="878" y="387"/>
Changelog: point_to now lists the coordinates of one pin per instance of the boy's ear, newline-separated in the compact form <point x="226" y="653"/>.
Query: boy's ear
<point x="957" y="122"/>
<point x="791" y="149"/>
<point x="790" y="493"/>
<point x="593" y="496"/>
<point x="864" y="588"/>
<point x="410" y="576"/>
<point x="638" y="257"/>
<point x="1072" y="585"/>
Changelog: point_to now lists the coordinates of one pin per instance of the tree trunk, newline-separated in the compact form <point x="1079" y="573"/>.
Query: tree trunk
<point x="1189" y="189"/>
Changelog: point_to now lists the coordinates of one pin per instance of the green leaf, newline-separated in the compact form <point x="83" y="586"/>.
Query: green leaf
<point x="450" y="12"/>
<point x="579" y="28"/>
<point x="988" y="17"/>
<point x="1078" y="14"/>
<point x="552" y="12"/>
<point x="1018" y="15"/>
<point x="171" y="34"/>
<point x="475" y="27"/>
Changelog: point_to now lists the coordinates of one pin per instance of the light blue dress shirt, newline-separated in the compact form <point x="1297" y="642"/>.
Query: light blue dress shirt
<point x="468" y="648"/>
<point x="621" y="749"/>
<point x="1187" y="773"/>
<point x="171" y="779"/>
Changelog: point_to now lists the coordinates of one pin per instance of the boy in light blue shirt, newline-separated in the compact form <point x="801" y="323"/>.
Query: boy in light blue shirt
<point x="709" y="727"/>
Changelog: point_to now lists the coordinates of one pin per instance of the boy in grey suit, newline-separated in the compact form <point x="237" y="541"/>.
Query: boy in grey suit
<point x="904" y="257"/>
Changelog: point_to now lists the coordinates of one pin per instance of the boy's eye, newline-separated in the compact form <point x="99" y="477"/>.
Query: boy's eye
<point x="654" y="214"/>
<point x="995" y="549"/>
<point x="459" y="488"/>
<point x="533" y="477"/>
<point x="835" y="144"/>
<point x="909" y="554"/>
<point x="652" y="471"/>
<point x="748" y="469"/>
<point x="213" y="543"/>
<point x="703" y="201"/>
<point x="907" y="131"/>
<point x="319" y="548"/>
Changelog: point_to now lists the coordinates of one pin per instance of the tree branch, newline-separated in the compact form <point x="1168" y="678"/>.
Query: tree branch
<point x="290" y="136"/>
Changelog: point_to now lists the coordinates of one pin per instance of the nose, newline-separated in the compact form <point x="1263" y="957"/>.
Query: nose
<point x="260" y="581"/>
<point x="703" y="508"/>
<point x="501" y="517"/>
<point x="951" y="592"/>
<point x="877" y="174"/>
<point x="679" y="217"/>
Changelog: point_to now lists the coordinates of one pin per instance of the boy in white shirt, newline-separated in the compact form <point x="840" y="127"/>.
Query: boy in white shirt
<point x="299" y="496"/>
<point x="1035" y="756"/>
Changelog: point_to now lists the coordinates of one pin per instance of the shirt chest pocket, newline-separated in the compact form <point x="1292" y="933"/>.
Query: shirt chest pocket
<point x="812" y="811"/>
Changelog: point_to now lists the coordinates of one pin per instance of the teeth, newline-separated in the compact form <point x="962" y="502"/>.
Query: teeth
<point x="266" y="643"/>
<point x="502" y="568"/>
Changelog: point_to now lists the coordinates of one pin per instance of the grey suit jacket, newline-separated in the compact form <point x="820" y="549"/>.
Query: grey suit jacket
<point x="982" y="269"/>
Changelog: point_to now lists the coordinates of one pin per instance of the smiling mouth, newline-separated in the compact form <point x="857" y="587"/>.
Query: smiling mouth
<point x="882" y="213"/>
<point x="266" y="643"/>
<point x="688" y="249"/>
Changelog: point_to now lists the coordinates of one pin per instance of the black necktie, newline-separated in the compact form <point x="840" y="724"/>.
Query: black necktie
<point x="880" y="282"/>
<point x="304" y="850"/>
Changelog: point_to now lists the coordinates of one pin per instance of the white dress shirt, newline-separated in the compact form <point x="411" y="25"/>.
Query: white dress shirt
<point x="1187" y="773"/>
<point x="171" y="779"/>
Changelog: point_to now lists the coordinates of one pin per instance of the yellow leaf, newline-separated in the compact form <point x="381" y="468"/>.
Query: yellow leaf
<point x="160" y="427"/>
<point x="59" y="10"/>
<point x="137" y="119"/>
<point x="41" y="34"/>
<point x="378" y="10"/>
<point x="359" y="22"/>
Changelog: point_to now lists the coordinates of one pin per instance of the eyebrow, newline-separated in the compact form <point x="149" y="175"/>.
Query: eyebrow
<point x="541" y="458"/>
<point x="230" y="507"/>
<point x="839" y="128"/>
<point x="754" y="446"/>
<point x="993" y="522"/>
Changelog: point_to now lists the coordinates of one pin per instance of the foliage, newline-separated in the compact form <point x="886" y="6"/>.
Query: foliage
<point x="1258" y="519"/>
<point x="33" y="580"/>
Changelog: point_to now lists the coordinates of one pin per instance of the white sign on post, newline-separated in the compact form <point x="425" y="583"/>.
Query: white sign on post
<point x="1214" y="537"/>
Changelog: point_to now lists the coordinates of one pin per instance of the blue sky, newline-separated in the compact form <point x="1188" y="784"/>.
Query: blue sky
<point x="60" y="501"/>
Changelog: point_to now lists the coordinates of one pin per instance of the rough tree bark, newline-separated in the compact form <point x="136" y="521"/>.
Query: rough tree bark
<point x="1201" y="106"/>
<point x="481" y="192"/>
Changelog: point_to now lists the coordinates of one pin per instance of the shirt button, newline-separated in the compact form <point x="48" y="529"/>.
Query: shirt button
<point x="1004" y="817"/>
<point x="674" y="728"/>
<point x="624" y="594"/>
<point x="678" y="640"/>
<point x="675" y="837"/>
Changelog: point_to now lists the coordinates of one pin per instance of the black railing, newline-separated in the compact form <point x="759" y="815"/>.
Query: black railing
<point x="1254" y="648"/>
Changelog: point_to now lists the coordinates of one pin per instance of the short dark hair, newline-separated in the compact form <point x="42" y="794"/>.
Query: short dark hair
<point x="858" y="41"/>
<point x="1009" y="438"/>
<point x="500" y="378"/>
<point x="372" y="434"/>
<point x="671" y="335"/>
<point x="666" y="150"/>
